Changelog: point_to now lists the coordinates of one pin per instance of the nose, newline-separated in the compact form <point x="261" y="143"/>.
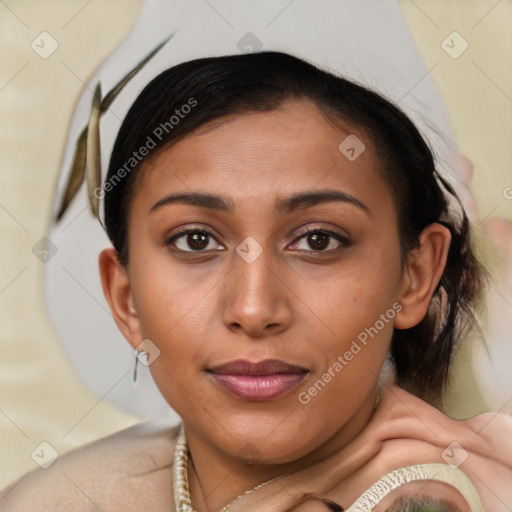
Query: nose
<point x="257" y="297"/>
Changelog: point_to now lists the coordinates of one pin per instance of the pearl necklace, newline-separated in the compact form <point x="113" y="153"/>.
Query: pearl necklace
<point x="181" y="489"/>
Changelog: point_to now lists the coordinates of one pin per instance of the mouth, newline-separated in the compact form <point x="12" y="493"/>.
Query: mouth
<point x="260" y="381"/>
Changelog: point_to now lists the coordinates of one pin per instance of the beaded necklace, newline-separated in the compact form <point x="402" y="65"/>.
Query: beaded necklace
<point x="181" y="489"/>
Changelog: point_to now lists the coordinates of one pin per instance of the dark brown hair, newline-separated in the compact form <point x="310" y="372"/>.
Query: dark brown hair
<point x="238" y="84"/>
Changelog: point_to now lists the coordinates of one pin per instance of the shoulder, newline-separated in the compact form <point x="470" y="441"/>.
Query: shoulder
<point x="109" y="474"/>
<point x="412" y="431"/>
<point x="411" y="417"/>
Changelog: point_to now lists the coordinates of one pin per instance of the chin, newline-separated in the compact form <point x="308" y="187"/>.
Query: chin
<point x="257" y="446"/>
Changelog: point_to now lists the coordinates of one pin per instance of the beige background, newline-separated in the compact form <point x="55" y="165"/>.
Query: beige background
<point x="40" y="397"/>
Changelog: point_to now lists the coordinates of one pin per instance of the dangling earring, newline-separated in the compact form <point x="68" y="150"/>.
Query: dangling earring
<point x="137" y="354"/>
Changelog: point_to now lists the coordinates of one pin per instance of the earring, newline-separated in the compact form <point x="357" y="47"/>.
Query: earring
<point x="137" y="354"/>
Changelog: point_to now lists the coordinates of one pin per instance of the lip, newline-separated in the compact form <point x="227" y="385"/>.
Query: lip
<point x="259" y="381"/>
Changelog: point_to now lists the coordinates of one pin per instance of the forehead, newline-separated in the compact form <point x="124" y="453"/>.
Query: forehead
<point x="260" y="156"/>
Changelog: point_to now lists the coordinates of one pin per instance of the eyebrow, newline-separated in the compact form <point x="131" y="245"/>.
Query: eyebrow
<point x="299" y="201"/>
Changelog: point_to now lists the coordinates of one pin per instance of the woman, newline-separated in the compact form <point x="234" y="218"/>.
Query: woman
<point x="285" y="255"/>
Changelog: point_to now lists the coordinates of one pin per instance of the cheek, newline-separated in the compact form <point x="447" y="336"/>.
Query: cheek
<point x="354" y="296"/>
<point x="351" y="353"/>
<point x="357" y="307"/>
<point x="168" y="311"/>
<point x="176" y="307"/>
<point x="171" y="311"/>
<point x="163" y="293"/>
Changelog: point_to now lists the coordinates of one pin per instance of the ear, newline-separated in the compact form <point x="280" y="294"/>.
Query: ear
<point x="117" y="290"/>
<point x="422" y="273"/>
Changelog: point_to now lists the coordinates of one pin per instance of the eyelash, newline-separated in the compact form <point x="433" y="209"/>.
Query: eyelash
<point x="344" y="241"/>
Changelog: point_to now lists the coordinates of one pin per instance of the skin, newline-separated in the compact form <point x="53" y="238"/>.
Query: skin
<point x="292" y="303"/>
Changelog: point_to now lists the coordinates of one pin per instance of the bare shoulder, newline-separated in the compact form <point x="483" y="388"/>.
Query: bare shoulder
<point x="130" y="471"/>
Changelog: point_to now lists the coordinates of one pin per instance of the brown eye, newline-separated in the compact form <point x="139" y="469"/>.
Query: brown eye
<point x="193" y="240"/>
<point x="318" y="241"/>
<point x="197" y="241"/>
<point x="321" y="241"/>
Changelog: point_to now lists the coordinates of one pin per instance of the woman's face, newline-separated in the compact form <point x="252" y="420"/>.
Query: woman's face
<point x="293" y="256"/>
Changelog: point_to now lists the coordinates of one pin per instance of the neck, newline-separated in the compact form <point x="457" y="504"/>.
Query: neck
<point x="217" y="478"/>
